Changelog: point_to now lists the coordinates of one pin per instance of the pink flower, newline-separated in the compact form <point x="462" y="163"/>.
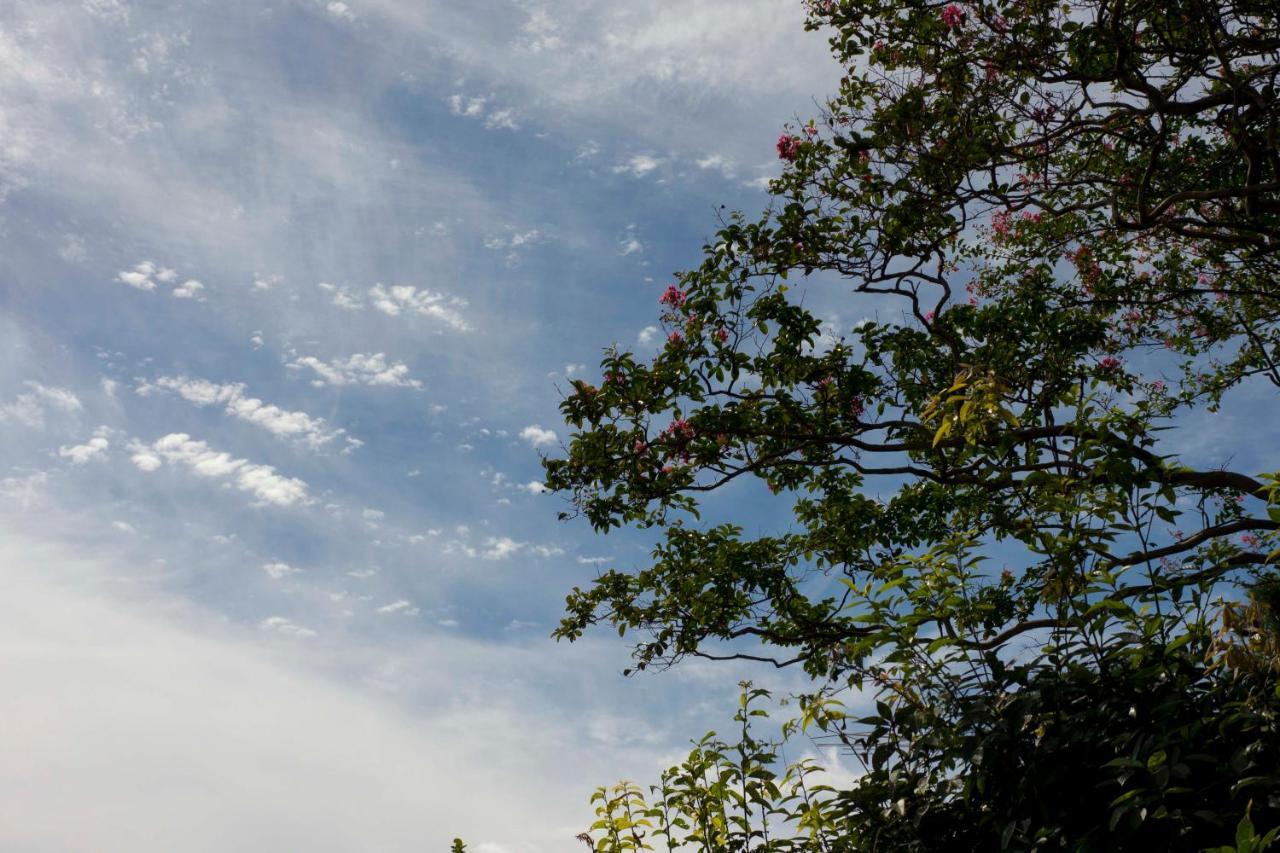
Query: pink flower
<point x="1109" y="363"/>
<point x="952" y="16"/>
<point x="788" y="147"/>
<point x="1000" y="223"/>
<point x="722" y="335"/>
<point x="856" y="407"/>
<point x="673" y="296"/>
<point x="675" y="339"/>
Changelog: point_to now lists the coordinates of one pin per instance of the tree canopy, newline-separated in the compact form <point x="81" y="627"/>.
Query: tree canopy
<point x="1066" y="218"/>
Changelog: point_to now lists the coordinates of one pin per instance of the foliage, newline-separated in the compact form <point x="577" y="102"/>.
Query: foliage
<point x="724" y="796"/>
<point x="1065" y="218"/>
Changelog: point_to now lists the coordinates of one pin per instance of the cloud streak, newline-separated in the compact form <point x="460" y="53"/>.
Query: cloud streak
<point x="181" y="450"/>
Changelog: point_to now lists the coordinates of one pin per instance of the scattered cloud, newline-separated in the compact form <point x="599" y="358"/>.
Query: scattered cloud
<point x="343" y="297"/>
<point x="500" y="548"/>
<point x="147" y="275"/>
<point x="534" y="487"/>
<point x="279" y="570"/>
<point x="26" y="491"/>
<point x="284" y="627"/>
<point x="358" y="369"/>
<point x="309" y="431"/>
<point x="638" y="166"/>
<point x="406" y="299"/>
<point x="478" y="108"/>
<point x="94" y="448"/>
<point x="403" y="607"/>
<point x="340" y="10"/>
<point x="541" y="32"/>
<point x="32" y="406"/>
<point x="719" y="163"/>
<point x="262" y="481"/>
<point x="647" y="335"/>
<point x="537" y="436"/>
<point x="189" y="289"/>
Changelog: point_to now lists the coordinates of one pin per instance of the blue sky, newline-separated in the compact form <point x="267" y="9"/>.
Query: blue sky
<point x="288" y="291"/>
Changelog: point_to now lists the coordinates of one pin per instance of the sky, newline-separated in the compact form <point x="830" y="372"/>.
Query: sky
<point x="289" y="293"/>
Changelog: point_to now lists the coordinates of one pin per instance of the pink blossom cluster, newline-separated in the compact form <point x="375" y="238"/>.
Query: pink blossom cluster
<point x="678" y="433"/>
<point x="1000" y="221"/>
<point x="1109" y="362"/>
<point x="952" y="16"/>
<point x="788" y="147"/>
<point x="673" y="296"/>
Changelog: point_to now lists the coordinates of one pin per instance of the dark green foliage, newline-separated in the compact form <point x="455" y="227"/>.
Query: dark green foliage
<point x="1075" y="212"/>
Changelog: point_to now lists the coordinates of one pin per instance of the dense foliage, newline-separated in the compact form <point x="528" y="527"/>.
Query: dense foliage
<point x="1065" y="219"/>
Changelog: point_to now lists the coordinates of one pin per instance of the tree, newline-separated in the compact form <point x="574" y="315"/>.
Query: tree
<point x="1076" y="210"/>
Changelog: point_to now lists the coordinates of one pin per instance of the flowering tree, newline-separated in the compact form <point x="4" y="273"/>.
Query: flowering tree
<point x="1076" y="209"/>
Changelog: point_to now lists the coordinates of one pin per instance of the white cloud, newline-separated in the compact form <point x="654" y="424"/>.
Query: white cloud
<point x="638" y="166"/>
<point x="630" y="246"/>
<point x="189" y="289"/>
<point x="593" y="561"/>
<point x="463" y="106"/>
<point x="542" y="32"/>
<point x="311" y="432"/>
<point x="141" y="277"/>
<point x="647" y="334"/>
<point x="500" y="548"/>
<point x="399" y="299"/>
<point x="501" y="120"/>
<point x="534" y="487"/>
<point x="719" y="163"/>
<point x="342" y="296"/>
<point x="261" y="481"/>
<point x="110" y="10"/>
<point x="281" y="625"/>
<point x="340" y="10"/>
<point x="278" y="570"/>
<point x="94" y="448"/>
<point x="477" y="108"/>
<point x="31" y="407"/>
<point x="358" y="369"/>
<point x="192" y="735"/>
<point x="147" y="274"/>
<point x="537" y="436"/>
<point x="124" y="527"/>
<point x="266" y="282"/>
<point x="26" y="491"/>
<point x="401" y="607"/>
